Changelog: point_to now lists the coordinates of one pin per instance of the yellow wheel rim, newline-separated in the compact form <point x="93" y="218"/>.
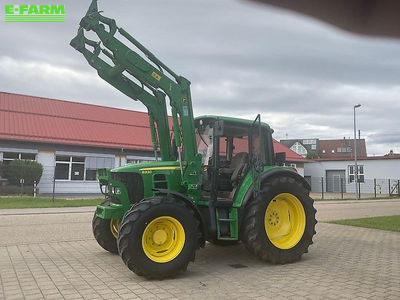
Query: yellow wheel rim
<point x="163" y="239"/>
<point x="285" y="221"/>
<point x="114" y="225"/>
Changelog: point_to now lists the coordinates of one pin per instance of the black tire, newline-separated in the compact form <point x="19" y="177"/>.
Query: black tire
<point x="254" y="234"/>
<point x="133" y="226"/>
<point x="102" y="232"/>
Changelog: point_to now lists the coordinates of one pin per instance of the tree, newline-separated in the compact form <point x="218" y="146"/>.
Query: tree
<point x="311" y="154"/>
<point x="29" y="170"/>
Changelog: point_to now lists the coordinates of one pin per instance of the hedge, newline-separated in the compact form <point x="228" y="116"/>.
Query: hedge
<point x="26" y="169"/>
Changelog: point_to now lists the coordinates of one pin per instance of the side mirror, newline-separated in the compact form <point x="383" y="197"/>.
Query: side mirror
<point x="280" y="158"/>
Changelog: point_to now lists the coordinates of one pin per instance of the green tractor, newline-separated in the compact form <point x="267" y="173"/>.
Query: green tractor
<point x="214" y="178"/>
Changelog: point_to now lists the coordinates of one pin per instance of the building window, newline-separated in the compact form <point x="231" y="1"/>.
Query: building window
<point x="313" y="147"/>
<point x="360" y="173"/>
<point x="62" y="171"/>
<point x="344" y="150"/>
<point x="92" y="164"/>
<point x="309" y="142"/>
<point x="299" y="149"/>
<point x="80" y="168"/>
<point x="136" y="161"/>
<point x="10" y="156"/>
<point x="69" y="167"/>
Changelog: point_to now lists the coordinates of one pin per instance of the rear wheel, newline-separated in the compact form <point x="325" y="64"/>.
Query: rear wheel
<point x="279" y="224"/>
<point x="158" y="237"/>
<point x="105" y="231"/>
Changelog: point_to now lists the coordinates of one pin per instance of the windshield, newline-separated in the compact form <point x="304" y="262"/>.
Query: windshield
<point x="204" y="138"/>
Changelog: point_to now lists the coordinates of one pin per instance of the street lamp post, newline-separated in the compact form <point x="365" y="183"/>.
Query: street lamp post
<point x="355" y="152"/>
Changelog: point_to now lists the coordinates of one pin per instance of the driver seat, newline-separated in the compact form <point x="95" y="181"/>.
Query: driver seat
<point x="237" y="166"/>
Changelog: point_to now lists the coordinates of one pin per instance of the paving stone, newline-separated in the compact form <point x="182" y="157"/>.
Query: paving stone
<point x="344" y="263"/>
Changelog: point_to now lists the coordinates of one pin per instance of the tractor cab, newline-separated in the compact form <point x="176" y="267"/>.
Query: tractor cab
<point x="230" y="149"/>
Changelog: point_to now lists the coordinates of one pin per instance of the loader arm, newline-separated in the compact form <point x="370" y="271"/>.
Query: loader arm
<point x="153" y="82"/>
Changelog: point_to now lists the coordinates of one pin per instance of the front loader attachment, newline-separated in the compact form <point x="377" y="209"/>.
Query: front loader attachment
<point x="117" y="64"/>
<point x="143" y="77"/>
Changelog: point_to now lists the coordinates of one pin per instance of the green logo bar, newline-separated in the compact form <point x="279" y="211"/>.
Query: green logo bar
<point x="34" y="13"/>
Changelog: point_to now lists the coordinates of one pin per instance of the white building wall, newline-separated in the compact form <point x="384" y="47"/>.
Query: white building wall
<point x="384" y="168"/>
<point x="76" y="187"/>
<point x="48" y="161"/>
<point x="120" y="161"/>
<point x="380" y="169"/>
<point x="46" y="158"/>
<point x="299" y="166"/>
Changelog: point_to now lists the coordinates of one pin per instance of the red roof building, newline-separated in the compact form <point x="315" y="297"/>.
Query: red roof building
<point x="72" y="140"/>
<point x="291" y="156"/>
<point x="342" y="148"/>
<point x="37" y="119"/>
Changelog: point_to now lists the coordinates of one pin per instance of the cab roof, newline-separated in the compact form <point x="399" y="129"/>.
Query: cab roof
<point x="233" y="121"/>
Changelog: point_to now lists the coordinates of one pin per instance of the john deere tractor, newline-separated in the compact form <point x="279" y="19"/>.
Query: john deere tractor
<point x="214" y="178"/>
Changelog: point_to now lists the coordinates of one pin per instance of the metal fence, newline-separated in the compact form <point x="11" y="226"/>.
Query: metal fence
<point x="21" y="189"/>
<point x="342" y="188"/>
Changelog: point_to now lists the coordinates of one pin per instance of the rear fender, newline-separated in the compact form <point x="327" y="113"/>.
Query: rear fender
<point x="267" y="175"/>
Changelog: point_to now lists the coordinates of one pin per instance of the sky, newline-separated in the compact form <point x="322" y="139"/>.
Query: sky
<point x="303" y="76"/>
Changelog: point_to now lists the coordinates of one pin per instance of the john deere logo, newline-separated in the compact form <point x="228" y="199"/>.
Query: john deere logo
<point x="34" y="13"/>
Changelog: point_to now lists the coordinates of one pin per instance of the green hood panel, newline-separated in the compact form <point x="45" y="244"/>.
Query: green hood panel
<point x="153" y="175"/>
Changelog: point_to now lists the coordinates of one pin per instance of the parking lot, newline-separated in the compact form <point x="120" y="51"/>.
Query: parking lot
<point x="51" y="254"/>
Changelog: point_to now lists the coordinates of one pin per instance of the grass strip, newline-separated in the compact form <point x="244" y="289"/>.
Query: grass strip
<point x="390" y="223"/>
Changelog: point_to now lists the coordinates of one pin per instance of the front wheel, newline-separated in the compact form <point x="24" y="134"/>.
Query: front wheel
<point x="280" y="223"/>
<point x="158" y="237"/>
<point x="105" y="231"/>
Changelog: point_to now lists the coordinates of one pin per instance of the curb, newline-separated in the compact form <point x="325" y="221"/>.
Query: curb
<point x="48" y="210"/>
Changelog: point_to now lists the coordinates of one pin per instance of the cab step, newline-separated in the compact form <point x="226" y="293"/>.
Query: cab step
<point x="228" y="232"/>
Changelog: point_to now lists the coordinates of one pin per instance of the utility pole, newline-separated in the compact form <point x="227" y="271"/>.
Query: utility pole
<point x="355" y="152"/>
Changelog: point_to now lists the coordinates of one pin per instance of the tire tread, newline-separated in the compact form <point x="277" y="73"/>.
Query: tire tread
<point x="131" y="219"/>
<point x="253" y="238"/>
